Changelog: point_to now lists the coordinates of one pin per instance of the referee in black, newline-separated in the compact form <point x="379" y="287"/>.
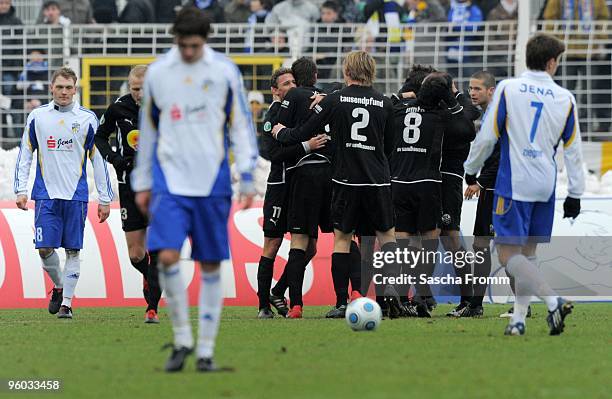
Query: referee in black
<point x="122" y="118"/>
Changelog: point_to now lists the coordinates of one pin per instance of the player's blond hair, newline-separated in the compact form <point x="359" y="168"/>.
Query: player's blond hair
<point x="138" y="71"/>
<point x="360" y="67"/>
<point x="65" y="73"/>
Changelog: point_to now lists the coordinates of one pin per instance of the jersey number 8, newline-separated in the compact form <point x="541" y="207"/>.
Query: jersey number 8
<point x="412" y="132"/>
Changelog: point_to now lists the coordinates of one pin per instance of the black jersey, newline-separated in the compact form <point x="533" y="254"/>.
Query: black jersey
<point x="280" y="156"/>
<point x="294" y="111"/>
<point x="456" y="146"/>
<point x="360" y="121"/>
<point x="419" y="134"/>
<point x="120" y="117"/>
<point x="418" y="143"/>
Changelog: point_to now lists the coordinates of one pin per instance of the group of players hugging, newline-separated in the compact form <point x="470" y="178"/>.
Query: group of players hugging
<point x="411" y="149"/>
<point x="389" y="172"/>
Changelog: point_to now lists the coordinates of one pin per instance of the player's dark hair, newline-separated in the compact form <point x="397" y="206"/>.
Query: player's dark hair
<point x="65" y="73"/>
<point x="277" y="74"/>
<point x="433" y="90"/>
<point x="304" y="72"/>
<point x="485" y="77"/>
<point x="415" y="78"/>
<point x="51" y="3"/>
<point x="332" y="5"/>
<point x="191" y="21"/>
<point x="542" y="48"/>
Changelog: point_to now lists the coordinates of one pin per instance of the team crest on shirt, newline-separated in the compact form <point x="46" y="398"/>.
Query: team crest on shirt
<point x="75" y="128"/>
<point x="267" y="126"/>
<point x="206" y="84"/>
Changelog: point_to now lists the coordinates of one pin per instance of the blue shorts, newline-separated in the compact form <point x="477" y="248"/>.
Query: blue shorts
<point x="203" y="219"/>
<point x="59" y="223"/>
<point x="518" y="222"/>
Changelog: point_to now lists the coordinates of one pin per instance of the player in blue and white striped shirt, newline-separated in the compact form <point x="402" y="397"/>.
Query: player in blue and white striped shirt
<point x="529" y="116"/>
<point x="194" y="107"/>
<point x="62" y="134"/>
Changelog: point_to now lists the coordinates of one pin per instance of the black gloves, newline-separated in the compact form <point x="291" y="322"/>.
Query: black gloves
<point x="571" y="208"/>
<point x="120" y="164"/>
<point x="470" y="179"/>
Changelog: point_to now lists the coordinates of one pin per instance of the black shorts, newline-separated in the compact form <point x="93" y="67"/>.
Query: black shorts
<point x="310" y="200"/>
<point x="483" y="226"/>
<point x="131" y="218"/>
<point x="452" y="200"/>
<point x="275" y="211"/>
<point x="417" y="207"/>
<point x="362" y="207"/>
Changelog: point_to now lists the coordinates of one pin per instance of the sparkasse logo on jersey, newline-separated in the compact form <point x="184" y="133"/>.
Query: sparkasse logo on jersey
<point x="59" y="144"/>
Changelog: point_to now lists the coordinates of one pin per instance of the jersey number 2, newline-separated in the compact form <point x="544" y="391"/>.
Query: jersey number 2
<point x="365" y="120"/>
<point x="536" y="121"/>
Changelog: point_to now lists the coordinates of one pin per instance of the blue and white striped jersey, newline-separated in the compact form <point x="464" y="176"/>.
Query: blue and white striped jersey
<point x="190" y="115"/>
<point x="63" y="141"/>
<point x="529" y="116"/>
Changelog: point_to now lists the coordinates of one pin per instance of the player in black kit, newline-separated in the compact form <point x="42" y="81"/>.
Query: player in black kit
<point x="455" y="150"/>
<point x="276" y="198"/>
<point x="122" y="117"/>
<point x="482" y="88"/>
<point x="420" y="127"/>
<point x="310" y="187"/>
<point x="360" y="122"/>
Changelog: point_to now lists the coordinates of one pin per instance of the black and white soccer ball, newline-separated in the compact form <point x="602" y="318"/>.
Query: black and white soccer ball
<point x="363" y="314"/>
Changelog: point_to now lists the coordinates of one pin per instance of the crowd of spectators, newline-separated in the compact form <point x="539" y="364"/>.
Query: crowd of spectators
<point x="464" y="48"/>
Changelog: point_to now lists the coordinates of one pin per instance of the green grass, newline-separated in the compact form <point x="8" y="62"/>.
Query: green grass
<point x="110" y="353"/>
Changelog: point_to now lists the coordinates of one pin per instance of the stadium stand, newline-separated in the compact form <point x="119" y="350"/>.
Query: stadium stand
<point x="103" y="53"/>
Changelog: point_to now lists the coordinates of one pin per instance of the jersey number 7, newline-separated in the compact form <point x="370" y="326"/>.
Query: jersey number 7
<point x="536" y="121"/>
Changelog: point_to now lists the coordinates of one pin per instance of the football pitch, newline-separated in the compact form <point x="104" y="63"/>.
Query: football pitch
<point x="111" y="353"/>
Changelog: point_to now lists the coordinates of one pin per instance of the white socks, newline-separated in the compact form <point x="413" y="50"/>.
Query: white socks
<point x="178" y="306"/>
<point x="72" y="271"/>
<point x="51" y="265"/>
<point x="209" y="314"/>
<point x="528" y="282"/>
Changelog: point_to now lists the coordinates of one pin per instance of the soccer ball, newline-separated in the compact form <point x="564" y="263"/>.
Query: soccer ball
<point x="363" y="314"/>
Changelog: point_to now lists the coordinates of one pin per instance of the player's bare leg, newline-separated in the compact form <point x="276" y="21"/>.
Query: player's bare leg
<point x="530" y="282"/>
<point x="147" y="265"/>
<point x="178" y="307"/>
<point x="51" y="265"/>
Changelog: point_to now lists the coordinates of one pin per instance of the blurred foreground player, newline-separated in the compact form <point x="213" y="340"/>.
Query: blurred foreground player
<point x="529" y="116"/>
<point x="194" y="106"/>
<point x="62" y="134"/>
<point x="122" y="118"/>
